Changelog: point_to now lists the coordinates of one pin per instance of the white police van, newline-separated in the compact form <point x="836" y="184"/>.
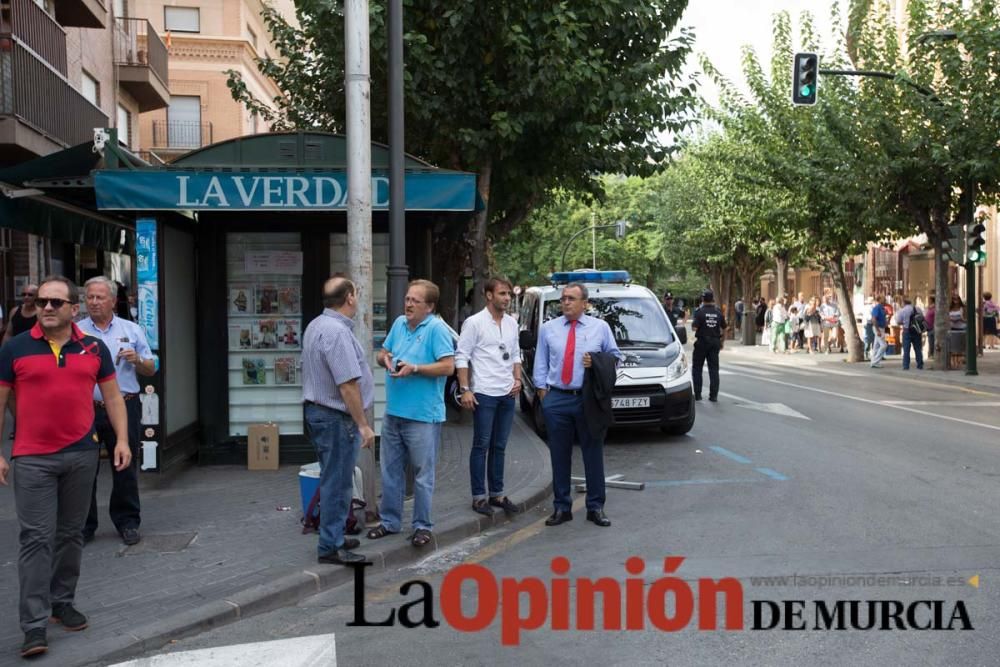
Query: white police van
<point x="654" y="379"/>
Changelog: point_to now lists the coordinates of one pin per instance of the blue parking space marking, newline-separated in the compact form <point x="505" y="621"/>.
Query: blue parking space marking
<point x="694" y="482"/>
<point x="729" y="455"/>
<point x="773" y="474"/>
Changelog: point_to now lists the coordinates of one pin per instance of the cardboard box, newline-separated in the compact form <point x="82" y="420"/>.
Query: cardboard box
<point x="262" y="447"/>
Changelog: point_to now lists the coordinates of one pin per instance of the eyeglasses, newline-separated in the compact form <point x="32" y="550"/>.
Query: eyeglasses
<point x="414" y="301"/>
<point x="28" y="294"/>
<point x="569" y="299"/>
<point x="506" y="354"/>
<point x="56" y="303"/>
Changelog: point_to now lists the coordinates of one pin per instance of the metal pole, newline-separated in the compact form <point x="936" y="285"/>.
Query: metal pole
<point x="398" y="272"/>
<point x="562" y="261"/>
<point x="967" y="209"/>
<point x="593" y="241"/>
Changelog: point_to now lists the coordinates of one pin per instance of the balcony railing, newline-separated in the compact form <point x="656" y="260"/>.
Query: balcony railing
<point x="38" y="31"/>
<point x="39" y="96"/>
<point x="181" y="134"/>
<point x="136" y="43"/>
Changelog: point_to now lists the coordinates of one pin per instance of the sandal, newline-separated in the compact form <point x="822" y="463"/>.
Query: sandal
<point x="379" y="532"/>
<point x="421" y="537"/>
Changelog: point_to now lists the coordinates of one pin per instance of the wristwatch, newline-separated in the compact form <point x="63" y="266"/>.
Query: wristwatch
<point x="465" y="389"/>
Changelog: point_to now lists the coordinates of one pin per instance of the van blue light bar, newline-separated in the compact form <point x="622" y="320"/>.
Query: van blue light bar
<point x="563" y="277"/>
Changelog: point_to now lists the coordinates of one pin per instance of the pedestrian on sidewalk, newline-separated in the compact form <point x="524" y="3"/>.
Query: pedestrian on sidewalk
<point x="929" y="314"/>
<point x="337" y="390"/>
<point x="560" y="360"/>
<point x="779" y="319"/>
<point x="879" y="322"/>
<point x="813" y="325"/>
<point x="489" y="342"/>
<point x="831" y="322"/>
<point x="54" y="369"/>
<point x="911" y="324"/>
<point x="133" y="357"/>
<point x="989" y="311"/>
<point x="709" y="326"/>
<point x="418" y="355"/>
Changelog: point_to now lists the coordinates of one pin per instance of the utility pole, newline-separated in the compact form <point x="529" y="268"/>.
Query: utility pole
<point x="593" y="240"/>
<point x="357" y="85"/>
<point x="398" y="272"/>
<point x="968" y="211"/>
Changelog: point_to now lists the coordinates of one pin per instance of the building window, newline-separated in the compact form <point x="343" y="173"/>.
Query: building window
<point x="124" y="126"/>
<point x="252" y="38"/>
<point x="184" y="122"/>
<point x="90" y="88"/>
<point x="182" y="19"/>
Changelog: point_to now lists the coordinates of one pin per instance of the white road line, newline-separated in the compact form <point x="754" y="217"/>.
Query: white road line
<point x="314" y="651"/>
<point x="884" y="404"/>
<point x="771" y="408"/>
<point x="945" y="404"/>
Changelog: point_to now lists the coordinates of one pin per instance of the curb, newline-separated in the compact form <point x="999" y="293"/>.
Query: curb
<point x="292" y="587"/>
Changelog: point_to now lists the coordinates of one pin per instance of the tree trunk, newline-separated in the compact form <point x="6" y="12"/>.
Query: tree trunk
<point x="855" y="348"/>
<point x="781" y="278"/>
<point x="749" y="315"/>
<point x="941" y="323"/>
<point x="480" y="222"/>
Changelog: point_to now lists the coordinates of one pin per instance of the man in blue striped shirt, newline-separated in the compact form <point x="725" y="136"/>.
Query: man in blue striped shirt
<point x="337" y="388"/>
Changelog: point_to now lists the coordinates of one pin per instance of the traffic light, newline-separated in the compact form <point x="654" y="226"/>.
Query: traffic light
<point x="621" y="228"/>
<point x="952" y="244"/>
<point x="805" y="78"/>
<point x="975" y="240"/>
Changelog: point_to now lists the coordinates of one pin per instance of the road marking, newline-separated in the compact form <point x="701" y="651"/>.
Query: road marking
<point x="729" y="455"/>
<point x="773" y="474"/>
<point x="314" y="651"/>
<point x="695" y="482"/>
<point x="771" y="408"/>
<point x="753" y="369"/>
<point x="884" y="404"/>
<point x="946" y="404"/>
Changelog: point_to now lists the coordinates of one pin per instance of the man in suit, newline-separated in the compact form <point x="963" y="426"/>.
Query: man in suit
<point x="564" y="347"/>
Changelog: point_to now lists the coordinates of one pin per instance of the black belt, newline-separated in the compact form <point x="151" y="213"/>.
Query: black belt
<point x="574" y="392"/>
<point x="325" y="407"/>
<point x="127" y="397"/>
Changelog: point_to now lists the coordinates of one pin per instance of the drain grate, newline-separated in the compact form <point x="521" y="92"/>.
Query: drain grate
<point x="160" y="544"/>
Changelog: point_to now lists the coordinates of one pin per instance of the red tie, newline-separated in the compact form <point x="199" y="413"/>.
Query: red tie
<point x="567" y="371"/>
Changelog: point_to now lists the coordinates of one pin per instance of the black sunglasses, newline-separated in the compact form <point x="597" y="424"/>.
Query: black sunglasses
<point x="506" y="354"/>
<point x="56" y="303"/>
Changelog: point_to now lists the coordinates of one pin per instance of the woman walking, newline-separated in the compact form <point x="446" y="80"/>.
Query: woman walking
<point x="989" y="311"/>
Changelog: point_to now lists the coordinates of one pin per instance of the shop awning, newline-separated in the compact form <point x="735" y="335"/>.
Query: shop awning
<point x="250" y="190"/>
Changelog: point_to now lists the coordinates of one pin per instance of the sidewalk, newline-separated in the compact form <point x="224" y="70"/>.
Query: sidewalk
<point x="215" y="548"/>
<point x="988" y="365"/>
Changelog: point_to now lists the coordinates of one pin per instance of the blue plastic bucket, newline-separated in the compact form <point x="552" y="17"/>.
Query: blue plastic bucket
<point x="308" y="483"/>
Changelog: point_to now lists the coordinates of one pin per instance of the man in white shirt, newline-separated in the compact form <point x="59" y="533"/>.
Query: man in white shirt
<point x="489" y="342"/>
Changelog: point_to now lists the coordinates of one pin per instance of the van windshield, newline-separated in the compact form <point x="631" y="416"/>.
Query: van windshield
<point x="634" y="320"/>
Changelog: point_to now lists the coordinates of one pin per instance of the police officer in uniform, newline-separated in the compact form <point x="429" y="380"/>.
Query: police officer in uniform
<point x="709" y="325"/>
<point x="674" y="313"/>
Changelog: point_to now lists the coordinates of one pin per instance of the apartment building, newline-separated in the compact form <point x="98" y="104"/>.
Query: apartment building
<point x="207" y="38"/>
<point x="67" y="67"/>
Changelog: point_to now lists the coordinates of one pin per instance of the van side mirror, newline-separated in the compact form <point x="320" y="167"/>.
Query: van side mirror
<point x="525" y="340"/>
<point x="682" y="334"/>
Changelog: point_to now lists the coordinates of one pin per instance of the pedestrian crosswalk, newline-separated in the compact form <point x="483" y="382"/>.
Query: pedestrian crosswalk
<point x="777" y="369"/>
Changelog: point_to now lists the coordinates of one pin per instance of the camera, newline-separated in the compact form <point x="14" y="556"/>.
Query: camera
<point x="399" y="366"/>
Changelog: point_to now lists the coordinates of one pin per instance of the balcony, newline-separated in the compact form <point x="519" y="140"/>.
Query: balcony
<point x="180" y="135"/>
<point x="40" y="112"/>
<point x="35" y="29"/>
<point x="141" y="57"/>
<point x="81" y="13"/>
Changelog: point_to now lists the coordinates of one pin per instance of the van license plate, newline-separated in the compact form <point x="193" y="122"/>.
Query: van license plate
<point x="630" y="402"/>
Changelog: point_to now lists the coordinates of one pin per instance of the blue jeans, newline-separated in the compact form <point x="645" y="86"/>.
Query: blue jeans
<point x="491" y="420"/>
<point x="918" y="345"/>
<point x="408" y="440"/>
<point x="337" y="441"/>
<point x="566" y="424"/>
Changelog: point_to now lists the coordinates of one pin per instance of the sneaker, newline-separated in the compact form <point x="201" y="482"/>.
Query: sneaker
<point x="70" y="618"/>
<point x="35" y="643"/>
<point x="482" y="507"/>
<point x="131" y="536"/>
<point x="505" y="504"/>
<point x="341" y="557"/>
<point x="876" y="365"/>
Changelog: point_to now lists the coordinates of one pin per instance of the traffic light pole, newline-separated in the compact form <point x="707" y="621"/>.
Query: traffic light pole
<point x="970" y="319"/>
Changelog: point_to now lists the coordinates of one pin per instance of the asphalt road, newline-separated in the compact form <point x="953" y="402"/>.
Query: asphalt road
<point x="796" y="471"/>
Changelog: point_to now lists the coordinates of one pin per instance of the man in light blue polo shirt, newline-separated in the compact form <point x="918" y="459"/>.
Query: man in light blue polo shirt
<point x="418" y="355"/>
<point x="132" y="355"/>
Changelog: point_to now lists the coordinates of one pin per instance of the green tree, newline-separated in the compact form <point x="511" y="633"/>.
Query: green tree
<point x="528" y="95"/>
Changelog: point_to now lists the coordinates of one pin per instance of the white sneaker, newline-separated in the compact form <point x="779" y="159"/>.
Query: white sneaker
<point x="876" y="365"/>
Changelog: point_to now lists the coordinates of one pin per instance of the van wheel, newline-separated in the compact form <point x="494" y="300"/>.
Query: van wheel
<point x="680" y="428"/>
<point x="538" y="419"/>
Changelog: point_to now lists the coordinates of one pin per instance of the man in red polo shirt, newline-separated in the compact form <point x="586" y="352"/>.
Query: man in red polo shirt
<point x="53" y="371"/>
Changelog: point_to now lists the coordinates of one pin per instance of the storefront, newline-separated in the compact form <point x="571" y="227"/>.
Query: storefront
<point x="235" y="242"/>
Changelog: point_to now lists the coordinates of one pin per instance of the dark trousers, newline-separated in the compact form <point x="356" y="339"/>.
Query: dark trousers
<point x="51" y="496"/>
<point x="566" y="424"/>
<point x="706" y="349"/>
<point x="124" y="505"/>
<point x="917" y="343"/>
<point x="491" y="424"/>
